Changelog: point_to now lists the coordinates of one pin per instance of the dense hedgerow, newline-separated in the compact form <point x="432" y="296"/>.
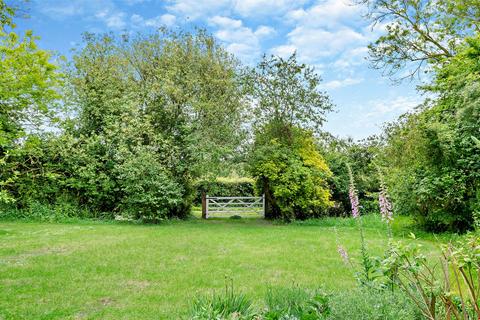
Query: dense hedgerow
<point x="432" y="159"/>
<point x="129" y="145"/>
<point x="224" y="187"/>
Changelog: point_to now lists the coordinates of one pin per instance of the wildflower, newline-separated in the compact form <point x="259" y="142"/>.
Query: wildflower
<point x="343" y="253"/>
<point x="354" y="201"/>
<point x="384" y="202"/>
<point x="352" y="193"/>
<point x="385" y="206"/>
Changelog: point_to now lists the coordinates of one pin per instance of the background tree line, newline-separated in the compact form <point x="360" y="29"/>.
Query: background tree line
<point x="130" y="124"/>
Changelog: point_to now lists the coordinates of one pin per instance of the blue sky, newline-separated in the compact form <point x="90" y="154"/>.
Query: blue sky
<point x="330" y="35"/>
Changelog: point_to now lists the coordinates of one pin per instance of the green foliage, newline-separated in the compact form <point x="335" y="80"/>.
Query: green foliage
<point x="296" y="303"/>
<point x="286" y="92"/>
<point x="229" y="305"/>
<point x="133" y="142"/>
<point x="7" y="13"/>
<point x="149" y="193"/>
<point x="360" y="156"/>
<point x="371" y="304"/>
<point x="433" y="162"/>
<point x="224" y="187"/>
<point x="284" y="160"/>
<point x="143" y="138"/>
<point x="448" y="293"/>
<point x="28" y="82"/>
<point x="28" y="88"/>
<point x="61" y="211"/>
<point x="419" y="32"/>
<point x="293" y="176"/>
<point x="282" y="303"/>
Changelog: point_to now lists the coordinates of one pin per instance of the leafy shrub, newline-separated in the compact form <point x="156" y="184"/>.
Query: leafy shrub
<point x="360" y="157"/>
<point x="449" y="293"/>
<point x="117" y="150"/>
<point x="433" y="162"/>
<point x="149" y="192"/>
<point x="292" y="174"/>
<point x="224" y="187"/>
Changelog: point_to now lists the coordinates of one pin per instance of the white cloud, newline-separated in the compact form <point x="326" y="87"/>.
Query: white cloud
<point x="397" y="106"/>
<point x="166" y="20"/>
<point x="351" y="58"/>
<point x="163" y="20"/>
<point x="283" y="51"/>
<point x="264" y="31"/>
<point x="58" y="9"/>
<point x="137" y="20"/>
<point x="336" y="84"/>
<point x="325" y="30"/>
<point x="361" y="118"/>
<point x="316" y="43"/>
<point x="251" y="8"/>
<point x="328" y="13"/>
<point x="239" y="39"/>
<point x="194" y="9"/>
<point x="114" y="20"/>
<point x="105" y="11"/>
<point x="61" y="11"/>
<point x="225" y="22"/>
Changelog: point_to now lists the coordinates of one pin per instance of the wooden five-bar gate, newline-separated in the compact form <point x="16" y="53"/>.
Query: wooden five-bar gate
<point x="229" y="206"/>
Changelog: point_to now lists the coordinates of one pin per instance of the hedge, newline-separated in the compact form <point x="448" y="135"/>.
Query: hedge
<point x="224" y="187"/>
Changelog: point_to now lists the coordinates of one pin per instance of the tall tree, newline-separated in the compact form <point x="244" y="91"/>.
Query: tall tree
<point x="288" y="107"/>
<point x="434" y="164"/>
<point x="419" y="32"/>
<point x="28" y="86"/>
<point x="286" y="92"/>
<point x="151" y="113"/>
<point x="28" y="79"/>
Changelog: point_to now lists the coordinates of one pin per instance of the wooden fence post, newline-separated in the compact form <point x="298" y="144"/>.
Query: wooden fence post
<point x="263" y="204"/>
<point x="204" y="205"/>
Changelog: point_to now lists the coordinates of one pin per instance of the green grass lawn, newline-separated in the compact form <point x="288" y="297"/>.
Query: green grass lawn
<point x="95" y="270"/>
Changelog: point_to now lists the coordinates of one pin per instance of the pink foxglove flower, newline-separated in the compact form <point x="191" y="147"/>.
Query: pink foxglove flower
<point x="385" y="205"/>
<point x="343" y="253"/>
<point x="383" y="200"/>
<point x="354" y="201"/>
<point x="352" y="193"/>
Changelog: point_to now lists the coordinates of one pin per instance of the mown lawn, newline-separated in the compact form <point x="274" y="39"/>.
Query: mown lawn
<point x="94" y="270"/>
